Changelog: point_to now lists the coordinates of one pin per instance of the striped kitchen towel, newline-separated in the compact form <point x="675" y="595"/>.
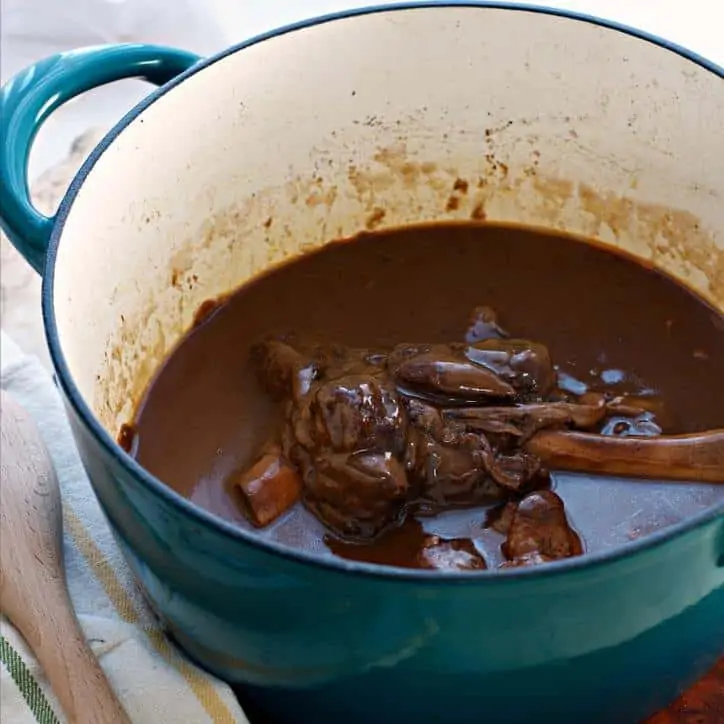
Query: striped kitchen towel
<point x="156" y="684"/>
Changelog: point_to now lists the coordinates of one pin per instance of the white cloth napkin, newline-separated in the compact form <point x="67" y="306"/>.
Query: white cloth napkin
<point x="153" y="680"/>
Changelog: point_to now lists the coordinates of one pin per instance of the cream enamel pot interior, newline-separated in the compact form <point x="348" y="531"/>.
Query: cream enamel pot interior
<point x="315" y="132"/>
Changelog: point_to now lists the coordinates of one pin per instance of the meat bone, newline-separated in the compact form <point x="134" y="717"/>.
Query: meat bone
<point x="697" y="457"/>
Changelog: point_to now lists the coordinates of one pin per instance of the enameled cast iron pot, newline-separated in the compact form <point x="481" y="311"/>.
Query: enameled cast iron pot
<point x="325" y="128"/>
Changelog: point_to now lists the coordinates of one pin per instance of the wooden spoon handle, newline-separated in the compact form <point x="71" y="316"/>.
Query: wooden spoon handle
<point x="697" y="458"/>
<point x="33" y="591"/>
<point x="71" y="667"/>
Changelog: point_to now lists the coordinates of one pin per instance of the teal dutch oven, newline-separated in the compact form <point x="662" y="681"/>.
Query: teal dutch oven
<point x="294" y="138"/>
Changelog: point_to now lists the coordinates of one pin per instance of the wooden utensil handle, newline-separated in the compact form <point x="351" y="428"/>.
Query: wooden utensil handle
<point x="697" y="457"/>
<point x="71" y="667"/>
<point x="33" y="591"/>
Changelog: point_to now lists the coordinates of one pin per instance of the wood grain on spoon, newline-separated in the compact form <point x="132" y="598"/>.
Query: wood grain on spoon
<point x="696" y="458"/>
<point x="33" y="591"/>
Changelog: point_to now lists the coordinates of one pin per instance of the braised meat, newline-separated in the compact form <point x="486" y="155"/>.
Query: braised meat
<point x="539" y="531"/>
<point x="442" y="373"/>
<point x="379" y="434"/>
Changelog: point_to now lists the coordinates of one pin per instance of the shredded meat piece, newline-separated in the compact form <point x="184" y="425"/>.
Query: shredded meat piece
<point x="446" y="465"/>
<point x="539" y="530"/>
<point x="355" y="412"/>
<point x="356" y="494"/>
<point x="523" y="421"/>
<point x="441" y="372"/>
<point x="347" y="436"/>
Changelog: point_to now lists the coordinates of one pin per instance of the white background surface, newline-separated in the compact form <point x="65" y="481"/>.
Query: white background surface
<point x="33" y="29"/>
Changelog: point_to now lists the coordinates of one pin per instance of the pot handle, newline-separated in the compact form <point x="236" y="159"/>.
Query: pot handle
<point x="32" y="95"/>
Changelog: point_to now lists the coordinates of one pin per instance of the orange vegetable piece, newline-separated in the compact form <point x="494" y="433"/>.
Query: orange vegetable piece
<point x="268" y="488"/>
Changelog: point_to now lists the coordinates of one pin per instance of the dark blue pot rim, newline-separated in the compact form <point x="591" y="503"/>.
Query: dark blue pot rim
<point x="199" y="515"/>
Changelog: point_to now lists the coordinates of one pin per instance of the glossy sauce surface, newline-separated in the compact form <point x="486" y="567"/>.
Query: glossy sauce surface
<point x="610" y="325"/>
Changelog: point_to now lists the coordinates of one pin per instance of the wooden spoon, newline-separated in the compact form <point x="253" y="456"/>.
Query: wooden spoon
<point x="33" y="591"/>
<point x="694" y="458"/>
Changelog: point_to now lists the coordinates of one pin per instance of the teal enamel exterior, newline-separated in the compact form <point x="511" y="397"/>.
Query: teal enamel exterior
<point x="31" y="96"/>
<point x="605" y="639"/>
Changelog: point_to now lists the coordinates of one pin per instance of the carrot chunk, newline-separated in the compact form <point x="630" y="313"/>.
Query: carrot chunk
<point x="268" y="488"/>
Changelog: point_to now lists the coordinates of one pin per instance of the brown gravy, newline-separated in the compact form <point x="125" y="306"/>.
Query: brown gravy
<point x="610" y="324"/>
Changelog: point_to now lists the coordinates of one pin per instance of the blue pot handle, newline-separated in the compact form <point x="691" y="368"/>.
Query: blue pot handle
<point x="30" y="97"/>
